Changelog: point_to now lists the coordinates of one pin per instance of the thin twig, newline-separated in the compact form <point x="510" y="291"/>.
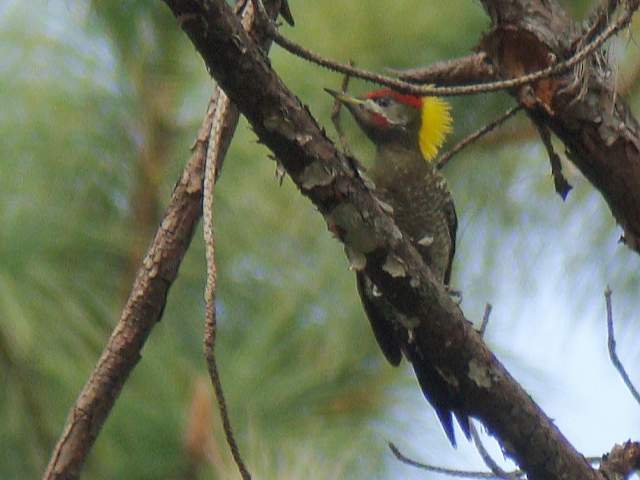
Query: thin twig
<point x="335" y="113"/>
<point x="580" y="81"/>
<point x="562" y="186"/>
<point x="215" y="139"/>
<point x="612" y="348"/>
<point x="406" y="87"/>
<point x="222" y="129"/>
<point x="489" y="461"/>
<point x="600" y="19"/>
<point x="431" y="468"/>
<point x="485" y="319"/>
<point x="465" y="142"/>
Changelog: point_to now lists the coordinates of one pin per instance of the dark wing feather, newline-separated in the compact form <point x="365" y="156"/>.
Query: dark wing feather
<point x="452" y="223"/>
<point x="433" y="385"/>
<point x="378" y="311"/>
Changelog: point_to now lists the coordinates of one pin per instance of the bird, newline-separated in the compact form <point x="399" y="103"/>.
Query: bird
<point x="408" y="132"/>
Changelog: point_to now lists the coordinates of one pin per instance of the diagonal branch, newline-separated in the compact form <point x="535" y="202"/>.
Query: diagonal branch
<point x="475" y="136"/>
<point x="613" y="354"/>
<point x="142" y="311"/>
<point x="488" y="460"/>
<point x="144" y="307"/>
<point x="331" y="181"/>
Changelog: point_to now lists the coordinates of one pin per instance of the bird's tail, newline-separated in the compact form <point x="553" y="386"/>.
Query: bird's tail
<point x="437" y="392"/>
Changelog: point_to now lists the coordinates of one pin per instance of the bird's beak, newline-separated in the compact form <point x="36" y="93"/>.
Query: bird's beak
<point x="345" y="99"/>
<point x="358" y="107"/>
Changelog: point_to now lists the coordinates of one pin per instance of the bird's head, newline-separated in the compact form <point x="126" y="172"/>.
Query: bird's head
<point x="387" y="116"/>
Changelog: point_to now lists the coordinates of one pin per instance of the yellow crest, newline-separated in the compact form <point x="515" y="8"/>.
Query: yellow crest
<point x="435" y="124"/>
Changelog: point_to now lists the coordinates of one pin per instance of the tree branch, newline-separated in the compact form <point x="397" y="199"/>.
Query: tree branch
<point x="475" y="136"/>
<point x="331" y="181"/>
<point x="142" y="311"/>
<point x="600" y="134"/>
<point x="450" y="472"/>
<point x="611" y="345"/>
<point x="213" y="159"/>
<point x="510" y="82"/>
<point x="474" y="68"/>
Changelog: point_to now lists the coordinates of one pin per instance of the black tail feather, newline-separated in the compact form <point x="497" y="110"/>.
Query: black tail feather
<point x="463" y="421"/>
<point x="436" y="391"/>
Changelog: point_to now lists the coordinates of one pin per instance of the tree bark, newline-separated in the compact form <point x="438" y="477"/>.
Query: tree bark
<point x="582" y="108"/>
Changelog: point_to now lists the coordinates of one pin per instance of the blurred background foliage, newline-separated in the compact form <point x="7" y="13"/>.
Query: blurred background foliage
<point x="100" y="102"/>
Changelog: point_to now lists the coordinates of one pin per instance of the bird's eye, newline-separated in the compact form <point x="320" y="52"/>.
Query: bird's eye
<point x="383" y="101"/>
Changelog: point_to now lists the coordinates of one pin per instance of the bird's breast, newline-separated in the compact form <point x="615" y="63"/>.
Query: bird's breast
<point x="419" y="197"/>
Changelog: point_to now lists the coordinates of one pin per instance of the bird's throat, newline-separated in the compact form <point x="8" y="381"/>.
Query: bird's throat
<point x="395" y="162"/>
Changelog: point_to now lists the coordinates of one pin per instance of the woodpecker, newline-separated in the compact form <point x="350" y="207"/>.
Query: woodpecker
<point x="408" y="131"/>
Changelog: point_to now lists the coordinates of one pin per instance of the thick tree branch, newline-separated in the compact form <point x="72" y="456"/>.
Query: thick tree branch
<point x="600" y="134"/>
<point x="475" y="68"/>
<point x="332" y="182"/>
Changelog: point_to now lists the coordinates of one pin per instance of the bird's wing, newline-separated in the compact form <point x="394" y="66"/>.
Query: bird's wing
<point x="378" y="311"/>
<point x="452" y="223"/>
